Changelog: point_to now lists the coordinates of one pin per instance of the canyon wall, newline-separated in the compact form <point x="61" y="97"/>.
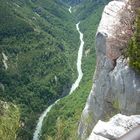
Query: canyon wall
<point x="116" y="87"/>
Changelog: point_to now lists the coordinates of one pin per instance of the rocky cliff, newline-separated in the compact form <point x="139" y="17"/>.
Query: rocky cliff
<point x="116" y="87"/>
<point x="115" y="128"/>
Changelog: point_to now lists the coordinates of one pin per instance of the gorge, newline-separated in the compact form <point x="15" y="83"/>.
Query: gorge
<point x="75" y="85"/>
<point x="38" y="53"/>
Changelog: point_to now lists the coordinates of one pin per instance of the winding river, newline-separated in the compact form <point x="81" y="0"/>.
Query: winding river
<point x="79" y="61"/>
<point x="75" y="85"/>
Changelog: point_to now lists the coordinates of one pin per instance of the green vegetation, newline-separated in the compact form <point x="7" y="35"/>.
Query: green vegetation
<point x="88" y="7"/>
<point x="41" y="42"/>
<point x="9" y="121"/>
<point x="72" y="2"/>
<point x="69" y="109"/>
<point x="134" y="45"/>
<point x="11" y="24"/>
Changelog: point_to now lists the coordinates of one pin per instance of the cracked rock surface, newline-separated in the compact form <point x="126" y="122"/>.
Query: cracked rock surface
<point x="116" y="127"/>
<point x="116" y="87"/>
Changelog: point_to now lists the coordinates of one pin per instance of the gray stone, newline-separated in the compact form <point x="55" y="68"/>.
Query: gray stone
<point x="116" y="127"/>
<point x="116" y="87"/>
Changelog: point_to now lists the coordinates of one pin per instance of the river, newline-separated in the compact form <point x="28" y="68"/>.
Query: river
<point x="75" y="85"/>
<point x="79" y="61"/>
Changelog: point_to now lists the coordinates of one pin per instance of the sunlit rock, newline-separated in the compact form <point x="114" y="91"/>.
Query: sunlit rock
<point x="116" y="87"/>
<point x="116" y="127"/>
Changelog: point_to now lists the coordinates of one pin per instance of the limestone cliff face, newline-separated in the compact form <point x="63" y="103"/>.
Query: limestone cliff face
<point x="115" y="128"/>
<point x="116" y="87"/>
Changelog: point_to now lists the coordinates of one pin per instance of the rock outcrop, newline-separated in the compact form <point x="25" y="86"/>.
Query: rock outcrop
<point x="116" y="87"/>
<point x="115" y="127"/>
<point x="5" y="59"/>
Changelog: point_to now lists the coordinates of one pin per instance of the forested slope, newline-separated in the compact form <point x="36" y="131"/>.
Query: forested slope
<point x="9" y="121"/>
<point x="62" y="122"/>
<point x="38" y="45"/>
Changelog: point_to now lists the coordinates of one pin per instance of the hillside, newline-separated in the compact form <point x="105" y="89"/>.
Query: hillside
<point x="9" y="120"/>
<point x="39" y="41"/>
<point x="64" y="117"/>
<point x="36" y="38"/>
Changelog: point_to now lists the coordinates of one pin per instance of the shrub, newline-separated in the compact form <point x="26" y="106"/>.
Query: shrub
<point x="134" y="45"/>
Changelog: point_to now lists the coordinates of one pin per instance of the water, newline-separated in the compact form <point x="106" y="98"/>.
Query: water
<point x="37" y="132"/>
<point x="75" y="85"/>
<point x="79" y="61"/>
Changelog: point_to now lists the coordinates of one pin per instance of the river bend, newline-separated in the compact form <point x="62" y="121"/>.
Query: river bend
<point x="75" y="85"/>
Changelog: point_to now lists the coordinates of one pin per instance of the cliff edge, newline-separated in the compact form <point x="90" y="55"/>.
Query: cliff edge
<point x="116" y="87"/>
